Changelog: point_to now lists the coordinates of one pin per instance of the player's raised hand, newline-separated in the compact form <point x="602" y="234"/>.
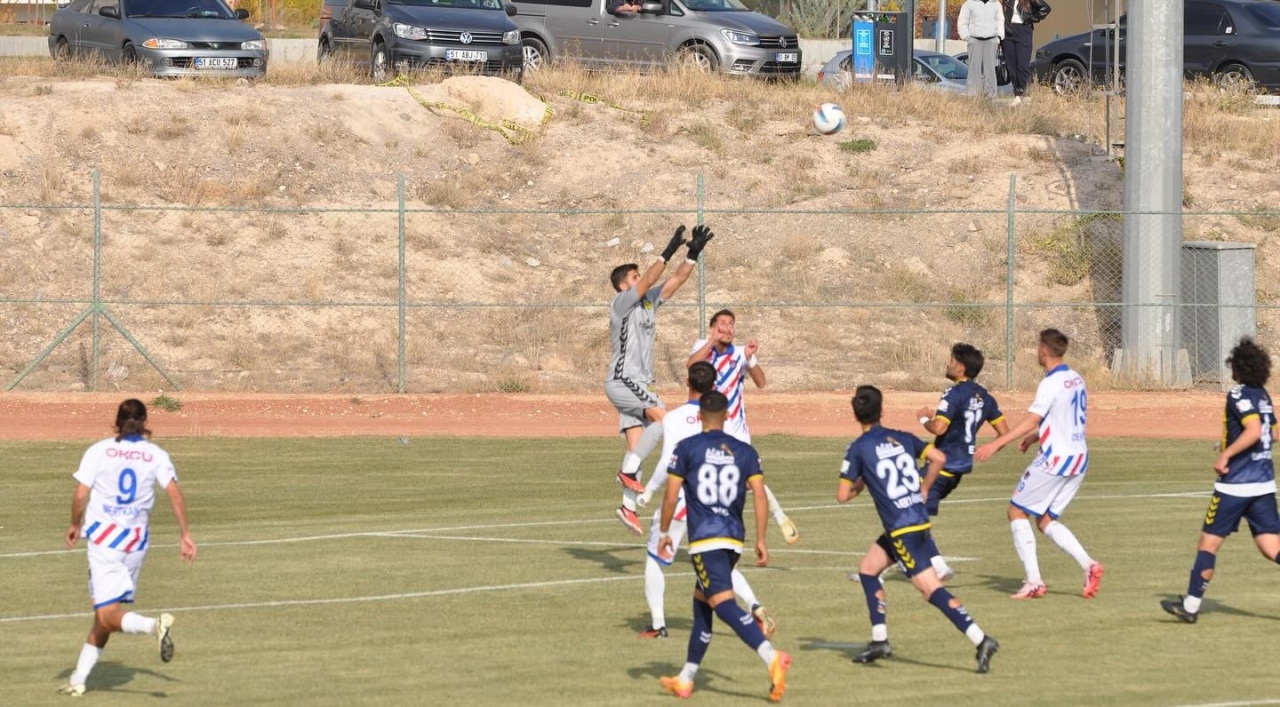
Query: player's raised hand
<point x="701" y="236"/>
<point x="187" y="548"/>
<point x="674" y="244"/>
<point x="752" y="347"/>
<point x="762" y="554"/>
<point x="73" y="536"/>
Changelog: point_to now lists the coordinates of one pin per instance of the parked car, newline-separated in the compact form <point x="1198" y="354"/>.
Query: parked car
<point x="391" y="36"/>
<point x="930" y="69"/>
<point x="189" y="38"/>
<point x="714" y="35"/>
<point x="1230" y="41"/>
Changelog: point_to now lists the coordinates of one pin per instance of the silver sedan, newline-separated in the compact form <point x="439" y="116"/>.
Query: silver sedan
<point x="167" y="37"/>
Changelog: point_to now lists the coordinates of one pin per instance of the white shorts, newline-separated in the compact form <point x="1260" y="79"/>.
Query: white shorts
<point x="113" y="575"/>
<point x="1041" y="494"/>
<point x="676" y="531"/>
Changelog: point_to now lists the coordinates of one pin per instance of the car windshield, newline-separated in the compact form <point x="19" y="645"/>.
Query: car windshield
<point x="715" y="5"/>
<point x="947" y="67"/>
<point x="1267" y="14"/>
<point x="460" y="4"/>
<point x="213" y="9"/>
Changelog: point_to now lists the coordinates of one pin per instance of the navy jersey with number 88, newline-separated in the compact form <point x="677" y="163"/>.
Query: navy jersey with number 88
<point x="714" y="469"/>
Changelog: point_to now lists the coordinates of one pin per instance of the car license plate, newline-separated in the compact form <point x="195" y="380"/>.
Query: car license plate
<point x="465" y="55"/>
<point x="788" y="57"/>
<point x="207" y="62"/>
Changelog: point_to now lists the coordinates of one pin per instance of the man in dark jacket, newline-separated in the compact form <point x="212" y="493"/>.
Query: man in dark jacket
<point x="1020" y="17"/>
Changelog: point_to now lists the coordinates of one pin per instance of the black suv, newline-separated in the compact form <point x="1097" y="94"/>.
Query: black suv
<point x="391" y="36"/>
<point x="1230" y="41"/>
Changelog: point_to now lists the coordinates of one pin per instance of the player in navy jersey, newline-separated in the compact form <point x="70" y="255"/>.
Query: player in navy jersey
<point x="715" y="470"/>
<point x="884" y="462"/>
<point x="961" y="412"/>
<point x="1246" y="485"/>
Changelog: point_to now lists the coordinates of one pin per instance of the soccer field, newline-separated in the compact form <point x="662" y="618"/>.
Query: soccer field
<point x="464" y="571"/>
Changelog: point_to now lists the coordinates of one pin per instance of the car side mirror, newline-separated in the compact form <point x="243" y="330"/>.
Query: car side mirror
<point x="110" y="11"/>
<point x="510" y="9"/>
<point x="651" y="8"/>
<point x="242" y="14"/>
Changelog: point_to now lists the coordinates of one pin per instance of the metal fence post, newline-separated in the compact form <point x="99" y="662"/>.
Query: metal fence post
<point x="1010" y="248"/>
<point x="702" y="267"/>
<point x="401" y="327"/>
<point x="94" y="361"/>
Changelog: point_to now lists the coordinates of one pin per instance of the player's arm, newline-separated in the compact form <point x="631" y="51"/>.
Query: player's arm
<point x="79" y="502"/>
<point x="848" y="490"/>
<point x="1025" y="431"/>
<point x="1001" y="426"/>
<point x="761" y="505"/>
<point x="186" y="545"/>
<point x="701" y="235"/>
<point x="935" y="423"/>
<point x="1252" y="432"/>
<point x="658" y="478"/>
<point x="754" y="371"/>
<point x="701" y="352"/>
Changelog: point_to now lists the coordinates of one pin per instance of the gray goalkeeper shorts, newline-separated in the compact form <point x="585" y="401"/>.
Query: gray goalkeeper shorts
<point x="631" y="399"/>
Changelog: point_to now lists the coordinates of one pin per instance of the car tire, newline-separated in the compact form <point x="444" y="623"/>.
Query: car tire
<point x="380" y="66"/>
<point x="1068" y="76"/>
<point x="1234" y="77"/>
<point x="535" y="53"/>
<point x="700" y="57"/>
<point x="61" y="50"/>
<point x="324" y="54"/>
<point x="128" y="54"/>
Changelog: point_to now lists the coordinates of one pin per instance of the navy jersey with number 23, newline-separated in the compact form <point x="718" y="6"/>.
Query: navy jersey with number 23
<point x="887" y="460"/>
<point x="713" y="469"/>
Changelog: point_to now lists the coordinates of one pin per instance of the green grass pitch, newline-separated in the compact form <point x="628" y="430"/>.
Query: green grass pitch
<point x="467" y="571"/>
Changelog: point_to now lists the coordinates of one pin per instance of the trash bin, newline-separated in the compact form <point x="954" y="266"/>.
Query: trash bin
<point x="882" y="44"/>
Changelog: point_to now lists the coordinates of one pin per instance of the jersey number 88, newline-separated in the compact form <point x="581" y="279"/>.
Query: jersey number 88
<point x="718" y="486"/>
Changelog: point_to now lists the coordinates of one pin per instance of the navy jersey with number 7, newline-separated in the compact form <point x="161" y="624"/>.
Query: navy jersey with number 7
<point x="888" y="461"/>
<point x="714" y="468"/>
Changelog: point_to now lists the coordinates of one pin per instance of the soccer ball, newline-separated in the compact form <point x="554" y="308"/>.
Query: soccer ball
<point x="828" y="119"/>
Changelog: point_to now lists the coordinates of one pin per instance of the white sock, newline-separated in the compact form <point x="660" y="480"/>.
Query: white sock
<point x="975" y="634"/>
<point x="655" y="586"/>
<point x="1066" y="540"/>
<point x="1024" y="541"/>
<point x="631" y="463"/>
<point x="879" y="632"/>
<point x="88" y="658"/>
<point x="629" y="500"/>
<point x="742" y="589"/>
<point x="775" y="508"/>
<point x="939" y="565"/>
<point x="689" y="672"/>
<point x="137" y="624"/>
<point x="1191" y="604"/>
<point x="766" y="653"/>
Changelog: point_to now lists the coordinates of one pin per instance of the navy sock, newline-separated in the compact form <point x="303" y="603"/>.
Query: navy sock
<point x="741" y="622"/>
<point x="700" y="636"/>
<point x="871" y="586"/>
<point x="1204" y="561"/>
<point x="959" y="616"/>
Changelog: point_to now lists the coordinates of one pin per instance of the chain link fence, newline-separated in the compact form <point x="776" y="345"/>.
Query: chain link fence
<point x="393" y="297"/>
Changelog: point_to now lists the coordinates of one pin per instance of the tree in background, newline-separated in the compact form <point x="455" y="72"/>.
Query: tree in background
<point x="928" y="10"/>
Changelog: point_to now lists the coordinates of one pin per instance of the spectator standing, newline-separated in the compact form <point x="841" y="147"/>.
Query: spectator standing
<point x="981" y="24"/>
<point x="1020" y="17"/>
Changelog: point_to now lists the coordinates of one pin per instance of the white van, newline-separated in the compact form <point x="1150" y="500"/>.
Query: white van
<point x="716" y="35"/>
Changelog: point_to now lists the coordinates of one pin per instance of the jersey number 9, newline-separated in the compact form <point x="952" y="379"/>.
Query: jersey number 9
<point x="718" y="486"/>
<point x="128" y="487"/>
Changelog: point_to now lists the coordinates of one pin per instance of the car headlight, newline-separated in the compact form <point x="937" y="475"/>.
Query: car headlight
<point x="158" y="43"/>
<point x="408" y="31"/>
<point x="255" y="45"/>
<point x="512" y="37"/>
<point x="737" y="37"/>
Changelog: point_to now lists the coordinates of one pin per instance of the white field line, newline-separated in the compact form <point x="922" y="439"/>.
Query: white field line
<point x="1247" y="703"/>
<point x="589" y="521"/>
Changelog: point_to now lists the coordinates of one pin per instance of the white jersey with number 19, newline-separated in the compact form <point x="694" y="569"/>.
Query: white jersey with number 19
<point x="122" y="477"/>
<point x="1062" y="404"/>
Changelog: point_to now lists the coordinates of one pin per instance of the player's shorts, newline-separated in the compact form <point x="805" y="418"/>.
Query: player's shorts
<point x="1226" y="511"/>
<point x="714" y="571"/>
<point x="946" y="483"/>
<point x="676" y="532"/>
<point x="914" y="550"/>
<point x="113" y="575"/>
<point x="631" y="399"/>
<point x="1041" y="494"/>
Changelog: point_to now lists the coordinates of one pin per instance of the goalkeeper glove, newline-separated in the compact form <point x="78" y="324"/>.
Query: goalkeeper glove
<point x="701" y="236"/>
<point x="677" y="240"/>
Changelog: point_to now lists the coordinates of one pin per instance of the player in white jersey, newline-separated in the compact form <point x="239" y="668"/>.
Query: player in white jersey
<point x="110" y="510"/>
<point x="680" y="424"/>
<point x="733" y="365"/>
<point x="1057" y="423"/>
<point x="632" y="328"/>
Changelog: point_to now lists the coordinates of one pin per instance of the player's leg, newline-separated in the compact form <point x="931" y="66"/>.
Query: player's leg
<point x="699" y="641"/>
<point x="638" y="409"/>
<point x="1264" y="523"/>
<point x="790" y="533"/>
<point x="946" y="483"/>
<point x="1187" y="607"/>
<point x="1030" y="498"/>
<point x="1062" y="536"/>
<point x="655" y="580"/>
<point x="925" y="580"/>
<point x="714" y="570"/>
<point x="742" y="589"/>
<point x="878" y="558"/>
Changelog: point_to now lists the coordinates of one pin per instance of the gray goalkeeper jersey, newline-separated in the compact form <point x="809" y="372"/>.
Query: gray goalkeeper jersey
<point x="632" y="323"/>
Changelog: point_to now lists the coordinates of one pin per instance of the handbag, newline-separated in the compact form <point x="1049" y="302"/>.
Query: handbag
<point x="1040" y="10"/>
